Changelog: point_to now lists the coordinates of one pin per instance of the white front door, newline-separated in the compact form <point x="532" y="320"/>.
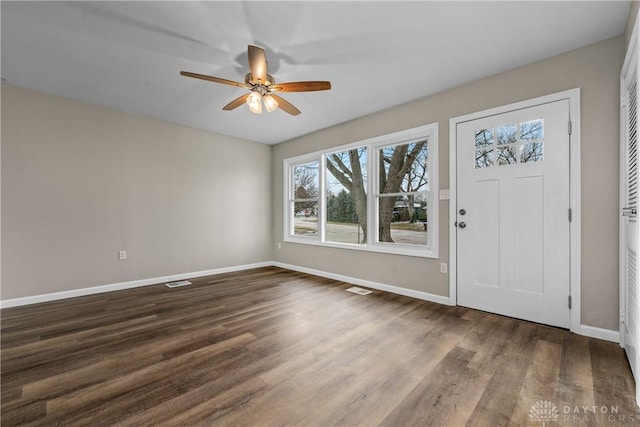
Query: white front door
<point x="513" y="203"/>
<point x="629" y="302"/>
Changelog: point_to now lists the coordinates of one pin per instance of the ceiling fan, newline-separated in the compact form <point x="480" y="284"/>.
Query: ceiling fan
<point x="262" y="86"/>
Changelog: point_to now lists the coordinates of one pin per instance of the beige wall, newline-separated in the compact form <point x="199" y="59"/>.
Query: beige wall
<point x="595" y="69"/>
<point x="80" y="182"/>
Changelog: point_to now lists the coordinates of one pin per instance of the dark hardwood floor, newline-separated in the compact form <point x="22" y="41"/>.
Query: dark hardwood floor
<point x="275" y="347"/>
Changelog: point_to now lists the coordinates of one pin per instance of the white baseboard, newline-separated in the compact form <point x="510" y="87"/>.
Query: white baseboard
<point x="369" y="284"/>
<point x="589" y="331"/>
<point x="602" y="334"/>
<point x="15" y="302"/>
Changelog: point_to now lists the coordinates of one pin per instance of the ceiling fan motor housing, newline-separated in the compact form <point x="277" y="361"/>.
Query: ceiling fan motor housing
<point x="269" y="81"/>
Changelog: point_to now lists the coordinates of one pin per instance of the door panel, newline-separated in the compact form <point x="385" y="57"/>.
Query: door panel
<point x="487" y="263"/>
<point x="528" y="236"/>
<point x="513" y="184"/>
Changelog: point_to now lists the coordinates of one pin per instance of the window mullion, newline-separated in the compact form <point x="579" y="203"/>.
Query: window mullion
<point x="290" y="200"/>
<point x="322" y="202"/>
<point x="403" y="193"/>
<point x="372" y="188"/>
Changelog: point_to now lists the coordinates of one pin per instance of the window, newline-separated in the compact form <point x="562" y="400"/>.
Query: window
<point x="346" y="196"/>
<point x="403" y="193"/>
<point x="516" y="143"/>
<point x="376" y="195"/>
<point x="304" y="199"/>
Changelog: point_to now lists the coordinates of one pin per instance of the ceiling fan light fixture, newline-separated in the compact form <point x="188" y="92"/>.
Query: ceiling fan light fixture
<point x="255" y="108"/>
<point x="270" y="103"/>
<point x="254" y="101"/>
<point x="260" y="85"/>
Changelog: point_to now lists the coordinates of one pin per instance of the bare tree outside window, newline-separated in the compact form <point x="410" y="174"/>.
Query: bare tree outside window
<point x="417" y="180"/>
<point x="403" y="175"/>
<point x="484" y="148"/>
<point x="510" y="144"/>
<point x="346" y="196"/>
<point x="532" y="133"/>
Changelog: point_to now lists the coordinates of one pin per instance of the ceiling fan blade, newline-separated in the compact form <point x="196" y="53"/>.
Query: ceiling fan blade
<point x="257" y="64"/>
<point x="213" y="79"/>
<point x="300" y="86"/>
<point x="236" y="102"/>
<point x="286" y="105"/>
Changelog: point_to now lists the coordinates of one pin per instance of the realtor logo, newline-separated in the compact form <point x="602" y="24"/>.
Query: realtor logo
<point x="544" y="411"/>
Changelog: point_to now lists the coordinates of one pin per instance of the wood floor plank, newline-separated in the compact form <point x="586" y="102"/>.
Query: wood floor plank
<point x="423" y="406"/>
<point x="613" y="384"/>
<point x="488" y="339"/>
<point x="375" y="368"/>
<point x="576" y="381"/>
<point x="270" y="346"/>
<point x="219" y="405"/>
<point x="541" y="381"/>
<point x="219" y="392"/>
<point x="174" y="366"/>
<point x="500" y="397"/>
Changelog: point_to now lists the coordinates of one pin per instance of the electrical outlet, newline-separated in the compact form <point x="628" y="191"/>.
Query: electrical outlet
<point x="122" y="255"/>
<point x="443" y="267"/>
<point x="279" y="245"/>
<point x="444" y="194"/>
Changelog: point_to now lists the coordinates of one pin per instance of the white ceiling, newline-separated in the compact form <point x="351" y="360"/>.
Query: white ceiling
<point x="128" y="55"/>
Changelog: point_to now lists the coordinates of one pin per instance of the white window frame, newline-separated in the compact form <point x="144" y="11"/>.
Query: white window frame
<point x="291" y="199"/>
<point x="430" y="132"/>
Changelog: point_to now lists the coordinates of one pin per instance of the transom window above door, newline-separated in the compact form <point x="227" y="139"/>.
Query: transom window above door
<point x="509" y="144"/>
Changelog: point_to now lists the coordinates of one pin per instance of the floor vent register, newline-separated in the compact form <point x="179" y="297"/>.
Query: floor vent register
<point x="178" y="284"/>
<point x="359" y="291"/>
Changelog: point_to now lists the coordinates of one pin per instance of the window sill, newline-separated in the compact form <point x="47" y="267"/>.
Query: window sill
<point x="404" y="250"/>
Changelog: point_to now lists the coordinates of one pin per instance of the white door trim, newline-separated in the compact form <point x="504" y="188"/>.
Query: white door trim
<point x="630" y="60"/>
<point x="628" y="336"/>
<point x="573" y="95"/>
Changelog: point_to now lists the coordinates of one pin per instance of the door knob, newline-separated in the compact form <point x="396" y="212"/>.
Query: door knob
<point x="462" y="212"/>
<point x="462" y="224"/>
